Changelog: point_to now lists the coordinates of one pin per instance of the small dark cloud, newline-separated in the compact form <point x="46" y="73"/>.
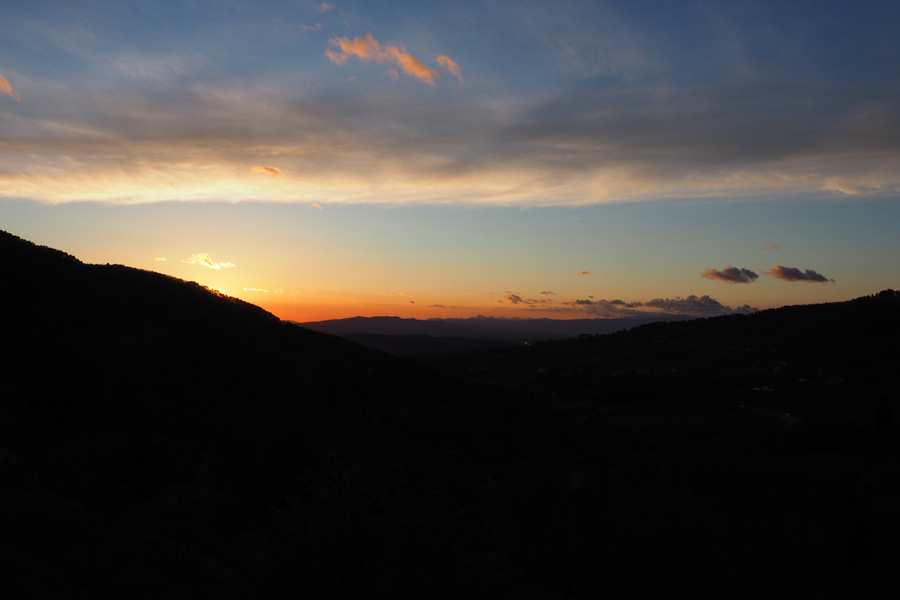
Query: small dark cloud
<point x="731" y="275"/>
<point x="794" y="274"/>
<point x="584" y="273"/>
<point x="549" y="293"/>
<point x="437" y="306"/>
<point x="515" y="298"/>
<point x="412" y="301"/>
<point x="771" y="246"/>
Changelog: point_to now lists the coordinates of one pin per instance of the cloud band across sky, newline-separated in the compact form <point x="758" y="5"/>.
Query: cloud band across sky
<point x="544" y="119"/>
<point x="361" y="150"/>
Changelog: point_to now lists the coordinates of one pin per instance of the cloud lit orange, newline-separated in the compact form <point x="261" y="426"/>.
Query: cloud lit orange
<point x="366" y="47"/>
<point x="6" y="88"/>
<point x="270" y="171"/>
<point x="449" y="66"/>
<point x="795" y="274"/>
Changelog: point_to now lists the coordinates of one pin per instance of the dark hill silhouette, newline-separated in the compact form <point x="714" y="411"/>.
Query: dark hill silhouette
<point x="160" y="440"/>
<point x="156" y="435"/>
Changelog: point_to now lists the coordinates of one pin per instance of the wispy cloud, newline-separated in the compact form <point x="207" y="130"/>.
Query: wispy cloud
<point x="846" y="185"/>
<point x="326" y="7"/>
<point x="449" y="66"/>
<point x="253" y="289"/>
<point x="272" y="172"/>
<point x="203" y="259"/>
<point x="771" y="246"/>
<point x="160" y="259"/>
<point x="366" y="47"/>
<point x="309" y="28"/>
<point x="731" y="275"/>
<point x="515" y="298"/>
<point x="794" y="274"/>
<point x="6" y="88"/>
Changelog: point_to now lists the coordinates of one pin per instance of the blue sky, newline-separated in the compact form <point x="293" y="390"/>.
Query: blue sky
<point x="444" y="160"/>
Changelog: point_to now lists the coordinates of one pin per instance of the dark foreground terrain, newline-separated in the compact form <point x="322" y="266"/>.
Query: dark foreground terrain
<point x="160" y="440"/>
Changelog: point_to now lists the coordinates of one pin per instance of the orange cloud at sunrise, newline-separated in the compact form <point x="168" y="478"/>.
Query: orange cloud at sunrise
<point x="6" y="88"/>
<point x="449" y="66"/>
<point x="366" y="47"/>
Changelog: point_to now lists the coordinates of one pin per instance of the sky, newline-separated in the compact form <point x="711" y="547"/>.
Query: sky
<point x="511" y="159"/>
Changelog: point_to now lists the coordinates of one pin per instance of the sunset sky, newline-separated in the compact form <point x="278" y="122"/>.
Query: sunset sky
<point x="514" y="158"/>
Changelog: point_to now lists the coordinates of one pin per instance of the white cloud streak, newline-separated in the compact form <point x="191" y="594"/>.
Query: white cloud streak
<point x="204" y="260"/>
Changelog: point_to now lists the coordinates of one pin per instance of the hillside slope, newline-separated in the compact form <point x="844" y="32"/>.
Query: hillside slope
<point x="160" y="439"/>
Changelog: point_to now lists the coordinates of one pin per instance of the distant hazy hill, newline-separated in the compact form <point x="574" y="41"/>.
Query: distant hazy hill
<point x="415" y="337"/>
<point x="160" y="440"/>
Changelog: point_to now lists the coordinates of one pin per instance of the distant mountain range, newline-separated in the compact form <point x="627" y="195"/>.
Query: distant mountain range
<point x="415" y="337"/>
